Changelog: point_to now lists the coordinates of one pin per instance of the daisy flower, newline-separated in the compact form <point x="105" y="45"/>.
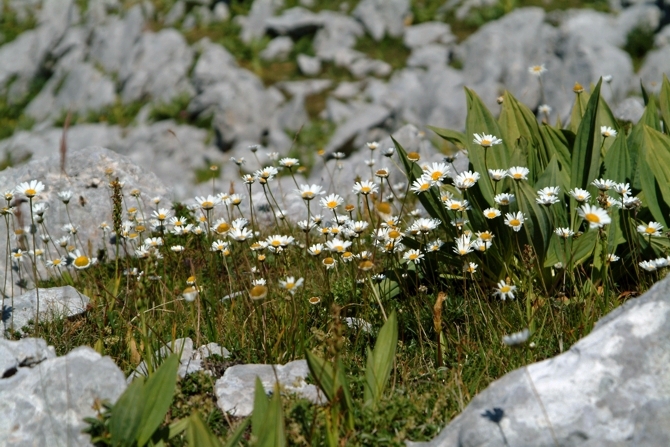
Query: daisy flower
<point x="258" y="290"/>
<point x="65" y="196"/>
<point x="240" y="234"/>
<point x="607" y="132"/>
<point x="545" y="109"/>
<point x="491" y="213"/>
<point x="308" y="192"/>
<point x="594" y="215"/>
<point x="504" y="290"/>
<point x="56" y="263"/>
<point x="278" y="242"/>
<point x="580" y="195"/>
<point x="622" y="188"/>
<point x="611" y="257"/>
<point x="414" y="256"/>
<point x="649" y="266"/>
<point x="463" y="245"/>
<point x="564" y="232"/>
<point x="291" y="284"/>
<point x="472" y="268"/>
<point x="365" y="187"/>
<point x="30" y="189"/>
<point x="480" y="245"/>
<point x="434" y="245"/>
<point x="208" y="203"/>
<point x="456" y="205"/>
<point x="504" y="198"/>
<point x="497" y="174"/>
<point x="603" y="184"/>
<point x="421" y="185"/>
<point x="425" y="225"/>
<point x="329" y="263"/>
<point x="332" y="201"/>
<point x="485" y="140"/>
<point x="537" y="70"/>
<point x="518" y="172"/>
<point x="177" y="248"/>
<point x="337" y="245"/>
<point x="515" y="220"/>
<point x="80" y="261"/>
<point x="651" y="229"/>
<point x="466" y="179"/>
<point x="289" y="162"/>
<point x="437" y="172"/>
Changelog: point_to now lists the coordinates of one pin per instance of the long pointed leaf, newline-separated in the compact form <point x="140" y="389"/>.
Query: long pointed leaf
<point x="125" y="423"/>
<point x="586" y="157"/>
<point x="198" y="435"/>
<point x="158" y="393"/>
<point x="380" y="361"/>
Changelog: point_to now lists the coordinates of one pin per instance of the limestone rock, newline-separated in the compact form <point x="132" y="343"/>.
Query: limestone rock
<point x="310" y="66"/>
<point x="87" y="178"/>
<point x="279" y="48"/>
<point x="296" y="22"/>
<point x="84" y="89"/>
<point x="630" y="109"/>
<point x="44" y="402"/>
<point x="157" y="66"/>
<point x="113" y="42"/>
<point x="383" y="17"/>
<point x="655" y="65"/>
<point x="235" y="390"/>
<point x="345" y="135"/>
<point x="215" y="64"/>
<point x="55" y="302"/>
<point x="610" y="388"/>
<point x="339" y="32"/>
<point x="429" y="55"/>
<point x="253" y="27"/>
<point x="427" y="33"/>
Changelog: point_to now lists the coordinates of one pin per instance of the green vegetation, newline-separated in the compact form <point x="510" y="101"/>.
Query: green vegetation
<point x="561" y="232"/>
<point x="639" y="42"/>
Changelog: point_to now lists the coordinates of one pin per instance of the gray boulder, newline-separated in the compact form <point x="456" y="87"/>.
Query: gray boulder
<point x="87" y="174"/>
<point x="176" y="13"/>
<point x="427" y="33"/>
<point x="158" y="67"/>
<point x="235" y="390"/>
<point x="383" y="17"/>
<point x="84" y="89"/>
<point x="253" y="26"/>
<point x="428" y="56"/>
<point x="339" y="32"/>
<point x="305" y="88"/>
<point x="44" y="401"/>
<point x="630" y="109"/>
<point x="215" y="64"/>
<point x="279" y="48"/>
<point x="656" y="64"/>
<point x="346" y="135"/>
<point x="609" y="389"/>
<point x="55" y="303"/>
<point x="113" y="42"/>
<point x="296" y="21"/>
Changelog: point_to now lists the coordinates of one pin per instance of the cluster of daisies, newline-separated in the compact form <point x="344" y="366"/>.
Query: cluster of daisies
<point x="34" y="242"/>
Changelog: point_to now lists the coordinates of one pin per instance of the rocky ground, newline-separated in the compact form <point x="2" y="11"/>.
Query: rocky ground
<point x="180" y="85"/>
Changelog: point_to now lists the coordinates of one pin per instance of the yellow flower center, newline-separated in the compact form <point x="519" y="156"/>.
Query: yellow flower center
<point x="424" y="187"/>
<point x="394" y="234"/>
<point x="332" y="204"/>
<point x="81" y="261"/>
<point x="161" y="216"/>
<point x="328" y="261"/>
<point x="517" y="175"/>
<point x="650" y="230"/>
<point x="592" y="217"/>
<point x="486" y="142"/>
<point x="222" y="228"/>
<point x="308" y="195"/>
<point x="413" y="256"/>
<point x="515" y="222"/>
<point x="30" y="192"/>
<point x="275" y="243"/>
<point x="314" y="300"/>
<point x="366" y="265"/>
<point x="491" y="214"/>
<point x="258" y="292"/>
<point x="413" y="156"/>
<point x="365" y="189"/>
<point x="505" y="289"/>
<point x="436" y="175"/>
<point x="207" y="205"/>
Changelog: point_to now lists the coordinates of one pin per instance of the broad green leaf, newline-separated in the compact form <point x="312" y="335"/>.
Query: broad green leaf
<point x="559" y="143"/>
<point x="125" y="423"/>
<point x="664" y="103"/>
<point x="636" y="141"/>
<point x="457" y="138"/>
<point x="645" y="95"/>
<point x="198" y="435"/>
<point x="333" y="383"/>
<point x="480" y="120"/>
<point x="260" y="408"/>
<point x="618" y="166"/>
<point x="518" y="122"/>
<point x="380" y="361"/>
<point x="238" y="434"/>
<point x="654" y="167"/>
<point x="585" y="154"/>
<point x="157" y="394"/>
<point x="537" y="228"/>
<point x="176" y="428"/>
<point x="272" y="433"/>
<point x="583" y="247"/>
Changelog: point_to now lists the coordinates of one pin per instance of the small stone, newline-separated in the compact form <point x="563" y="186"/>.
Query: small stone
<point x="235" y="390"/>
<point x="310" y="66"/>
<point x="55" y="302"/>
<point x="278" y="49"/>
<point x="221" y="12"/>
